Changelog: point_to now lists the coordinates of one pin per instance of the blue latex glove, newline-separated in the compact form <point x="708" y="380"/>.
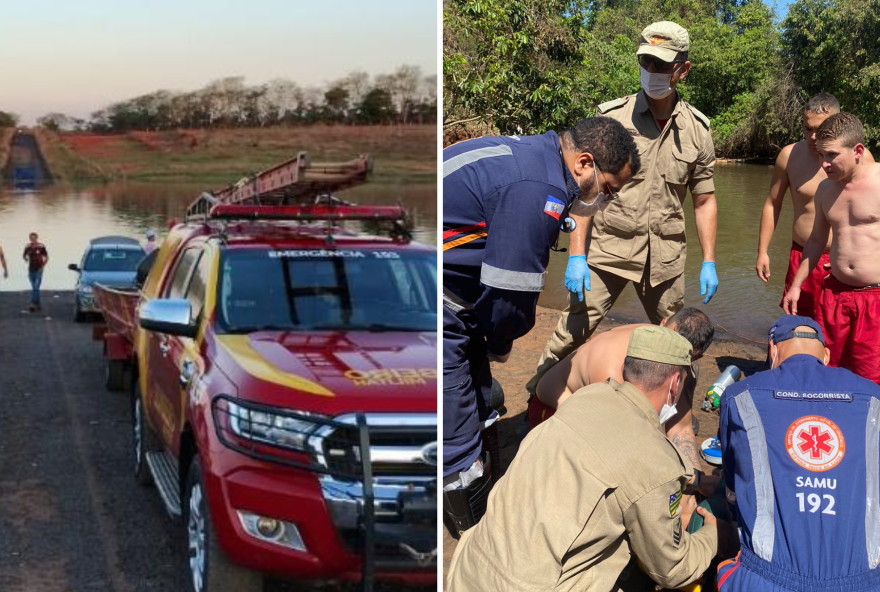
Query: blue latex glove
<point x="708" y="281"/>
<point x="577" y="275"/>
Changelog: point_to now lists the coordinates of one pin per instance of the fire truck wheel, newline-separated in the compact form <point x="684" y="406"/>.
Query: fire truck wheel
<point x="143" y="438"/>
<point x="114" y="375"/>
<point x="210" y="570"/>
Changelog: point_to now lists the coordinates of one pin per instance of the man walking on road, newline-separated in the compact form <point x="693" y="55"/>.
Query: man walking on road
<point x="847" y="203"/>
<point x="799" y="170"/>
<point x="640" y="237"/>
<point x="37" y="257"/>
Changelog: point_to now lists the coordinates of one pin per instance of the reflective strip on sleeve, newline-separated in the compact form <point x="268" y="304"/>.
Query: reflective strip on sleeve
<point x="466" y="158"/>
<point x="463" y="229"/>
<point x="764" y="531"/>
<point x="464" y="239"/>
<point x="451" y="304"/>
<point x="520" y="281"/>
<point x="872" y="477"/>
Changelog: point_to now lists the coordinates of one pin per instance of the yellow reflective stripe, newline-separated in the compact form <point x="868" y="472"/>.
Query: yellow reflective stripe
<point x="464" y="239"/>
<point x="210" y="297"/>
<point x="239" y="347"/>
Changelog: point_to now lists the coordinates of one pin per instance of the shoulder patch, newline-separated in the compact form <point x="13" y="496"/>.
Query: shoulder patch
<point x="608" y="105"/>
<point x="699" y="115"/>
<point x="554" y="207"/>
<point x="674" y="502"/>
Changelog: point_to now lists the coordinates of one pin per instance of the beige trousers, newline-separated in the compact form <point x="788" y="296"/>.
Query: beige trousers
<point x="580" y="319"/>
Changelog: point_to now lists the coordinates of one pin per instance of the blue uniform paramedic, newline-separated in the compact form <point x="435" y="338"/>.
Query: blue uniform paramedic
<point x="504" y="199"/>
<point x="801" y="454"/>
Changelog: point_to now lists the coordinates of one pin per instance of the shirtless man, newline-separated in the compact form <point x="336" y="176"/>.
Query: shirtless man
<point x="798" y="169"/>
<point x="602" y="357"/>
<point x="847" y="205"/>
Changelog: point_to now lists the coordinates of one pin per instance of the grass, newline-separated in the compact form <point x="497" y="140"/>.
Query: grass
<point x="401" y="153"/>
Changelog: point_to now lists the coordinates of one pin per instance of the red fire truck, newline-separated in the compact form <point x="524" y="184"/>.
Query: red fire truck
<point x="283" y="370"/>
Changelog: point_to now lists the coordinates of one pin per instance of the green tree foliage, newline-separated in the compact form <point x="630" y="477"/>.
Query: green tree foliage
<point x="403" y="97"/>
<point x="514" y="63"/>
<point x="377" y="107"/>
<point x="520" y="66"/>
<point x="834" y="46"/>
<point x="8" y="119"/>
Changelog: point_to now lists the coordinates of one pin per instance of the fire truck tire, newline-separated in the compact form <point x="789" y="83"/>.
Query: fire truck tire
<point x="210" y="569"/>
<point x="144" y="440"/>
<point x="114" y="375"/>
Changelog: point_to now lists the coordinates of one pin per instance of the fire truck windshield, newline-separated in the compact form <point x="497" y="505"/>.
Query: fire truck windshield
<point x="327" y="289"/>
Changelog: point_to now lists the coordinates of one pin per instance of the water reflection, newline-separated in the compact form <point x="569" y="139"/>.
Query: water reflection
<point x="67" y="218"/>
<point x="743" y="304"/>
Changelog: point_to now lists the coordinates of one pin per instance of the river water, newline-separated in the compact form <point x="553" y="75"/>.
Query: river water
<point x="67" y="218"/>
<point x="743" y="305"/>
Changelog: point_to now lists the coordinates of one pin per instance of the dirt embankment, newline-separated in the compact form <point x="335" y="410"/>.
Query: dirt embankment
<point x="514" y="375"/>
<point x="401" y="153"/>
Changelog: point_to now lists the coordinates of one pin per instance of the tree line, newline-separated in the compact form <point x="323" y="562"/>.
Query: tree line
<point x="405" y="96"/>
<point x="516" y="66"/>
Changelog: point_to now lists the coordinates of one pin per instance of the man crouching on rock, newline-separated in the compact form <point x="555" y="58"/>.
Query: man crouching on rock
<point x="593" y="486"/>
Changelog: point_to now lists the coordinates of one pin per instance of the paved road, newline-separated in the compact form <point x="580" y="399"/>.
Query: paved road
<point x="72" y="517"/>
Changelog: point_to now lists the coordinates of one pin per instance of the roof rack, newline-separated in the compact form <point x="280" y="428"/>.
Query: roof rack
<point x="298" y="190"/>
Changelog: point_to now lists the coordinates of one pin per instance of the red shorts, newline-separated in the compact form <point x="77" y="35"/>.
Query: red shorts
<point x="850" y="321"/>
<point x="539" y="412"/>
<point x="812" y="286"/>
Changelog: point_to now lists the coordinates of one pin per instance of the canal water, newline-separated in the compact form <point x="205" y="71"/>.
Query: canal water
<point x="67" y="218"/>
<point x="743" y="305"/>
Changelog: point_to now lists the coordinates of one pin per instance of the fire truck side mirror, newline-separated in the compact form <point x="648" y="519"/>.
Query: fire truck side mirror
<point x="172" y="316"/>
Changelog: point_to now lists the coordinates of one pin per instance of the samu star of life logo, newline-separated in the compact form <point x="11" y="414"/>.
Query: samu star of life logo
<point x="815" y="443"/>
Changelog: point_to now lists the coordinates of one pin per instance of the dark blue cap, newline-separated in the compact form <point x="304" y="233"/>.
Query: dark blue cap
<point x="784" y="328"/>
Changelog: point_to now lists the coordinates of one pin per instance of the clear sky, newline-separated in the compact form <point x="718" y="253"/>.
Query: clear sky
<point x="781" y="6"/>
<point x="77" y="56"/>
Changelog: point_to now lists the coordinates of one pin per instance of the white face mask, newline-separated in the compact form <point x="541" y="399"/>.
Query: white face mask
<point x="668" y="411"/>
<point x="655" y="86"/>
<point x="599" y="203"/>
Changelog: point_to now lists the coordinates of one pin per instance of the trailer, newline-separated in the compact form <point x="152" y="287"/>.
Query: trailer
<point x="119" y="309"/>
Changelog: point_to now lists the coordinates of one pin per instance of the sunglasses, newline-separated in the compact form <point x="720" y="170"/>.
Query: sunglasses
<point x="661" y="67"/>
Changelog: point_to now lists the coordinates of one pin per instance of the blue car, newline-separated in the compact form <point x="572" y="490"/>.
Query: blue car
<point x="108" y="260"/>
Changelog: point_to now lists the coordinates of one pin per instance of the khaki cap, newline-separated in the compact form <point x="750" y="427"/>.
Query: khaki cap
<point x="663" y="40"/>
<point x="659" y="344"/>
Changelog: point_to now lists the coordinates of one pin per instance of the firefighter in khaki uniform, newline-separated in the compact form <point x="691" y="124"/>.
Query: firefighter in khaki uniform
<point x="592" y="486"/>
<point x="640" y="236"/>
